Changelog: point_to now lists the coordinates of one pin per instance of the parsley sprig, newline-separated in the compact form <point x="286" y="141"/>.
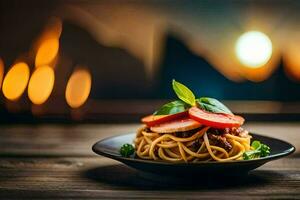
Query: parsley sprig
<point x="259" y="150"/>
<point x="127" y="150"/>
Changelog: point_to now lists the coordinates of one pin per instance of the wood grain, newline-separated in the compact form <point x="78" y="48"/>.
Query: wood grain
<point x="56" y="140"/>
<point x="95" y="177"/>
<point x="56" y="161"/>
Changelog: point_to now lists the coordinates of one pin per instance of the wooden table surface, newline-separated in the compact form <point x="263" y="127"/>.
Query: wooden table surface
<point x="56" y="161"/>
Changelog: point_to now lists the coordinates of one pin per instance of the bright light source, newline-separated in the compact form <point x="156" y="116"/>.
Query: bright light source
<point x="253" y="49"/>
<point x="41" y="84"/>
<point x="47" y="52"/>
<point x="15" y="81"/>
<point x="78" y="88"/>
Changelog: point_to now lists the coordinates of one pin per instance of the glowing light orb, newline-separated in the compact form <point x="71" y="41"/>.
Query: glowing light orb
<point x="41" y="84"/>
<point x="15" y="81"/>
<point x="47" y="52"/>
<point x="78" y="88"/>
<point x="253" y="49"/>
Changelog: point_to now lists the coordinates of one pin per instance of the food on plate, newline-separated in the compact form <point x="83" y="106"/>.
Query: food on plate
<point x="194" y="129"/>
<point x="126" y="150"/>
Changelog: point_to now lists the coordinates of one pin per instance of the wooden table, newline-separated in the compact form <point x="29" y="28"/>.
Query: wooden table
<point x="56" y="161"/>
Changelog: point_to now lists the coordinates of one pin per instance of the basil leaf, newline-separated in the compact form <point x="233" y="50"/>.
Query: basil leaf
<point x="184" y="93"/>
<point x="172" y="108"/>
<point x="212" y="105"/>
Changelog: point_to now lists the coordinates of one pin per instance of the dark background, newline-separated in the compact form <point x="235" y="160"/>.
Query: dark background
<point x="117" y="75"/>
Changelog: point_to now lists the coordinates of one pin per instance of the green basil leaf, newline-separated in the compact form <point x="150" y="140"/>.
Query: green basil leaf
<point x="172" y="108"/>
<point x="184" y="93"/>
<point x="212" y="105"/>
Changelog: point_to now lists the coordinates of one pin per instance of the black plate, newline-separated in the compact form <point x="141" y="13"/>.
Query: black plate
<point x="110" y="148"/>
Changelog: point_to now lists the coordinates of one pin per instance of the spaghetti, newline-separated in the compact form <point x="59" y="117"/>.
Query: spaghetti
<point x="202" y="144"/>
<point x="194" y="129"/>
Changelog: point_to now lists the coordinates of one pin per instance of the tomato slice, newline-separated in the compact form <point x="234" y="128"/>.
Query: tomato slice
<point x="216" y="120"/>
<point x="152" y="120"/>
<point x="178" y="125"/>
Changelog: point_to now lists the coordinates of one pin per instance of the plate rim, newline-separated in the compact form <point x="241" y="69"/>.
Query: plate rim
<point x="120" y="158"/>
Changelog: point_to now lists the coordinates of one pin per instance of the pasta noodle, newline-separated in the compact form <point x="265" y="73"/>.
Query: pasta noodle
<point x="194" y="130"/>
<point x="170" y="147"/>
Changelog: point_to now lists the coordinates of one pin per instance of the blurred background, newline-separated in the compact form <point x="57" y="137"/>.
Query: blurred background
<point x="113" y="61"/>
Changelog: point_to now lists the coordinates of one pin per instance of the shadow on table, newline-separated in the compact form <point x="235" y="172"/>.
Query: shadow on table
<point x="121" y="175"/>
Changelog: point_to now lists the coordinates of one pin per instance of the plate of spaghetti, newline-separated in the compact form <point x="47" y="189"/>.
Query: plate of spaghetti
<point x="190" y="136"/>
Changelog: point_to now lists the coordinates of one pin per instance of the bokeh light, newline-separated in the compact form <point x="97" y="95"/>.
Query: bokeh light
<point x="41" y="84"/>
<point x="47" y="52"/>
<point x="53" y="28"/>
<point x="1" y="71"/>
<point x="15" y="81"/>
<point x="78" y="88"/>
<point x="254" y="49"/>
<point x="291" y="57"/>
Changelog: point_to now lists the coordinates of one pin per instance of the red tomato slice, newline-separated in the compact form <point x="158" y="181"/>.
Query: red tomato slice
<point x="178" y="125"/>
<point x="216" y="120"/>
<point x="152" y="120"/>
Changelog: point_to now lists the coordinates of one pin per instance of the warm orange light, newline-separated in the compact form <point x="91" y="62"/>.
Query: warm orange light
<point x="15" y="81"/>
<point x="41" y="84"/>
<point x="291" y="58"/>
<point x="1" y="71"/>
<point x="258" y="74"/>
<point x="45" y="48"/>
<point x="53" y="28"/>
<point x="78" y="88"/>
<point x="47" y="52"/>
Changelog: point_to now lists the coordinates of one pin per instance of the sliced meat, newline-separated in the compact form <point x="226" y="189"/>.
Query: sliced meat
<point x="176" y="126"/>
<point x="152" y="120"/>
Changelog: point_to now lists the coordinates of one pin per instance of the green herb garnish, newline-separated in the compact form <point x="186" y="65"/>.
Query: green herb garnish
<point x="187" y="100"/>
<point x="212" y="105"/>
<point x="260" y="150"/>
<point x="172" y="108"/>
<point x="184" y="93"/>
<point x="127" y="150"/>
